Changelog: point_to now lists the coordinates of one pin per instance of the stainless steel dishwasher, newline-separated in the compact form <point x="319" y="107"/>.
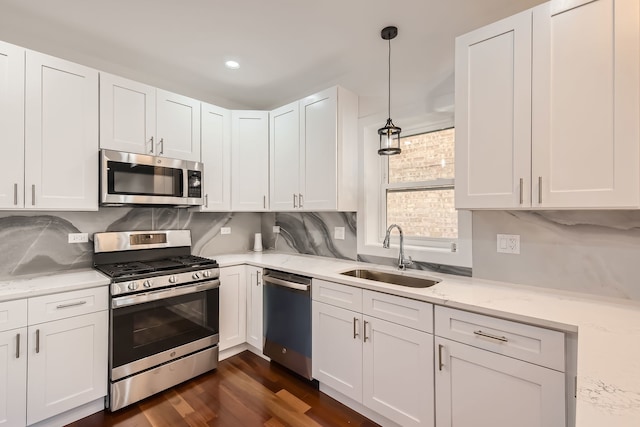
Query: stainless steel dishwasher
<point x="287" y="320"/>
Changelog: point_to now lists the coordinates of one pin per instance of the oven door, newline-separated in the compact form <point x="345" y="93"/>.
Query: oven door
<point x="155" y="327"/>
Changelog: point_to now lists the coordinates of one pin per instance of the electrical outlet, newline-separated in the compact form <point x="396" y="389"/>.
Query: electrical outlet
<point x="338" y="233"/>
<point x="225" y="230"/>
<point x="509" y="243"/>
<point x="276" y="229"/>
<point x="78" y="237"/>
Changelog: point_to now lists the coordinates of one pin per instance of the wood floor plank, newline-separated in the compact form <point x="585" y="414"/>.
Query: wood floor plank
<point x="245" y="390"/>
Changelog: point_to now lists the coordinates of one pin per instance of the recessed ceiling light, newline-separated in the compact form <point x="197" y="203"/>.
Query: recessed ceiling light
<point x="233" y="65"/>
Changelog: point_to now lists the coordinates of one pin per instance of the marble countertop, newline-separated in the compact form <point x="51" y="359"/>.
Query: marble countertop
<point x="608" y="369"/>
<point x="26" y="287"/>
<point x="608" y="329"/>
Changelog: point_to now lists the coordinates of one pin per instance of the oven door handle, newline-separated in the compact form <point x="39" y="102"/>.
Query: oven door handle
<point x="285" y="283"/>
<point x="125" y="301"/>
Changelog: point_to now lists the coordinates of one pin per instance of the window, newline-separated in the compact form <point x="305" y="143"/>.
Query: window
<point x="418" y="189"/>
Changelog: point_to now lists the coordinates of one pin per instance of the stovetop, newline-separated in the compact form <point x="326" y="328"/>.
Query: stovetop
<point x="141" y="269"/>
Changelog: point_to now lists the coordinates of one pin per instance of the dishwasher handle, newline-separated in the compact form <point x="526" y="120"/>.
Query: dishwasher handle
<point x="285" y="283"/>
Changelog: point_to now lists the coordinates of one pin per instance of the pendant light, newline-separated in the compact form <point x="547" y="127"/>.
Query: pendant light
<point x="390" y="133"/>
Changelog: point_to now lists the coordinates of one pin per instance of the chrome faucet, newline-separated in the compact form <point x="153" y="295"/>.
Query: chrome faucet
<point x="402" y="262"/>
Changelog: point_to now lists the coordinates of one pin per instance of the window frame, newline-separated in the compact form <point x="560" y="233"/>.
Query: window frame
<point x="434" y="184"/>
<point x="372" y="199"/>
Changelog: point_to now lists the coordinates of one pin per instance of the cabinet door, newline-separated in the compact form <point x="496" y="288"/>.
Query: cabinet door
<point x="475" y="387"/>
<point x="318" y="150"/>
<point x="586" y="104"/>
<point x="61" y="135"/>
<point x="397" y="372"/>
<point x="13" y="377"/>
<point x="127" y="115"/>
<point x="67" y="364"/>
<point x="233" y="305"/>
<point x="178" y="126"/>
<point x="337" y="349"/>
<point x="249" y="160"/>
<point x="254" y="307"/>
<point x="12" y="126"/>
<point x="284" y="145"/>
<point x="493" y="115"/>
<point x="216" y="156"/>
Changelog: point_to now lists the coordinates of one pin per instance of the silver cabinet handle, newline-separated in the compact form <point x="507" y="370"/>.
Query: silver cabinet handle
<point x="300" y="200"/>
<point x="33" y="195"/>
<point x="15" y="194"/>
<point x="151" y="140"/>
<point x="493" y="337"/>
<point x="364" y="330"/>
<point x="540" y="189"/>
<point x="18" y="346"/>
<point x="440" y="364"/>
<point x="295" y="200"/>
<point x="71" y="304"/>
<point x="264" y="202"/>
<point x="206" y="200"/>
<point x="355" y="327"/>
<point x="258" y="278"/>
<point x="37" y="340"/>
<point x="521" y="188"/>
<point x="161" y="145"/>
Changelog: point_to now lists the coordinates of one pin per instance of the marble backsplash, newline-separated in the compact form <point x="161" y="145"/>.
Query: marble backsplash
<point x="586" y="251"/>
<point x="37" y="242"/>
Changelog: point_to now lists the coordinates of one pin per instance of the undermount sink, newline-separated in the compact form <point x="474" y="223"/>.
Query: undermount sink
<point x="395" y="279"/>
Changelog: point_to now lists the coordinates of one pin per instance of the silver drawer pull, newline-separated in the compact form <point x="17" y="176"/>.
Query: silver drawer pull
<point x="493" y="337"/>
<point x="18" y="346"/>
<point x="440" y="364"/>
<point x="355" y="327"/>
<point x="71" y="304"/>
<point x="37" y="341"/>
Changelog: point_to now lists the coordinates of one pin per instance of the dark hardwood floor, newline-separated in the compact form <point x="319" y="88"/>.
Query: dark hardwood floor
<point x="245" y="390"/>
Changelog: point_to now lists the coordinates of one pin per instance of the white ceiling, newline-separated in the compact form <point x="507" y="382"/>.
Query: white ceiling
<point x="287" y="48"/>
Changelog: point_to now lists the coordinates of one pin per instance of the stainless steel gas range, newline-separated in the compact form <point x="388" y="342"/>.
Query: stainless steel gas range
<point x="164" y="319"/>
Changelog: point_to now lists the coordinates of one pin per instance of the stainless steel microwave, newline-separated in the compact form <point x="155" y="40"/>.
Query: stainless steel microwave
<point x="139" y="179"/>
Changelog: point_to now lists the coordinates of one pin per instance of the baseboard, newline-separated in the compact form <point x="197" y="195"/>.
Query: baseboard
<point x="257" y="352"/>
<point x="228" y="352"/>
<point x="74" y="414"/>
<point x="357" y="406"/>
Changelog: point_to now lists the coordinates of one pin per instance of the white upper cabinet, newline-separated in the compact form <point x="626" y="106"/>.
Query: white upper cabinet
<point x="315" y="170"/>
<point x="127" y="115"/>
<point x="249" y="160"/>
<point x="178" y="126"/>
<point x="61" y="135"/>
<point x="138" y="118"/>
<point x="284" y="165"/>
<point x="548" y="107"/>
<point x="12" y="125"/>
<point x="216" y="156"/>
<point x="493" y="115"/>
<point x="586" y="106"/>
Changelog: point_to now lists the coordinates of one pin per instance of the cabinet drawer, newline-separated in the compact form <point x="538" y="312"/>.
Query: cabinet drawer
<point x="336" y="294"/>
<point x="67" y="304"/>
<point x="541" y="346"/>
<point x="13" y="314"/>
<point x="403" y="311"/>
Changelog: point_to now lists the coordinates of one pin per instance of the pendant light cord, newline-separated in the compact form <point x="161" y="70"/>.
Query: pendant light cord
<point x="389" y="86"/>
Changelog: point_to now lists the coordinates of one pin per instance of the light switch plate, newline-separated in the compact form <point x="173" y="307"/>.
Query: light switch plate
<point x="276" y="229"/>
<point x="338" y="233"/>
<point x="78" y="237"/>
<point x="508" y="243"/>
<point x="225" y="230"/>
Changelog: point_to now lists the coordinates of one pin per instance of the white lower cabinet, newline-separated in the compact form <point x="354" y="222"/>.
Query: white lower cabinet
<point x="384" y="365"/>
<point x="487" y="378"/>
<point x="56" y="359"/>
<point x="67" y="364"/>
<point x="13" y="372"/>
<point x="254" y="307"/>
<point x="475" y="387"/>
<point x="233" y="306"/>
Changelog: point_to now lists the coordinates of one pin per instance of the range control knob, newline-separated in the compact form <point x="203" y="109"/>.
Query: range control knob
<point x="132" y="286"/>
<point x="206" y="273"/>
<point x="147" y="284"/>
<point x="173" y="279"/>
<point x="196" y="275"/>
